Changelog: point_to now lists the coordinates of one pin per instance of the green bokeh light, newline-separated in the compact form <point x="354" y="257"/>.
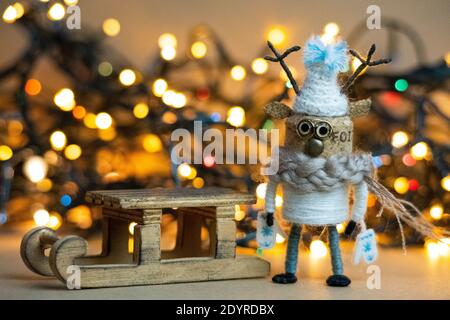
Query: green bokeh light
<point x="105" y="69"/>
<point x="401" y="85"/>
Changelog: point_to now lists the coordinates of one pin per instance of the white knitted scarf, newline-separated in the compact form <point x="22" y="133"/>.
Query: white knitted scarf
<point x="307" y="174"/>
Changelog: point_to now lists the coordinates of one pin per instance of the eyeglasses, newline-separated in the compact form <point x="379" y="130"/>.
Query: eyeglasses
<point x="321" y="129"/>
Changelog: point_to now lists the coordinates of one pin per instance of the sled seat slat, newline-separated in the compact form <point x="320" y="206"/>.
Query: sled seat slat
<point x="141" y="199"/>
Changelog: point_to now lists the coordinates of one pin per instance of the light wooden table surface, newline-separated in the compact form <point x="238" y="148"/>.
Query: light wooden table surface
<point x="414" y="276"/>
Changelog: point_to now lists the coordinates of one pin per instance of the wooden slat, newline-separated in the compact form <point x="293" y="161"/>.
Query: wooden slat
<point x="169" y="198"/>
<point x="173" y="271"/>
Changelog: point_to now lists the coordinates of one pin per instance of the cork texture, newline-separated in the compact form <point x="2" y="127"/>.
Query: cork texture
<point x="340" y="140"/>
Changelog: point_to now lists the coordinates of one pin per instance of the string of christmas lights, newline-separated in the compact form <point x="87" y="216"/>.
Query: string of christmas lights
<point x="108" y="124"/>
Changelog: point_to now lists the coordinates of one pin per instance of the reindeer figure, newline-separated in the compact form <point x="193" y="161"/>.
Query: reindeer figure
<point x="317" y="165"/>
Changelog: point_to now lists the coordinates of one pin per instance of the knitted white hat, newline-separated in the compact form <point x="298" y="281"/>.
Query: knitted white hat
<point x="321" y="95"/>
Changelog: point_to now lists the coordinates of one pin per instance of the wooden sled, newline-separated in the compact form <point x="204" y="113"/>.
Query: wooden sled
<point x="115" y="266"/>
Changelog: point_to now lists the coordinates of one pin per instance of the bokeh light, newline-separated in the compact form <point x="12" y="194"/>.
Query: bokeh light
<point x="58" y="140"/>
<point x="6" y="153"/>
<point x="35" y="168"/>
<point x="260" y="66"/>
<point x="56" y="12"/>
<point x="199" y="49"/>
<point x="111" y="27"/>
<point x="127" y="77"/>
<point x="236" y="116"/>
<point x="238" y="73"/>
<point x="152" y="143"/>
<point x="72" y="152"/>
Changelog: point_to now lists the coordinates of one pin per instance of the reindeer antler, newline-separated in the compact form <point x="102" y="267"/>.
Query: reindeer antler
<point x="280" y="58"/>
<point x="364" y="63"/>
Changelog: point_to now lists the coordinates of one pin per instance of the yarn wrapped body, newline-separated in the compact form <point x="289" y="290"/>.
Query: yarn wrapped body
<point x="318" y="208"/>
<point x="316" y="190"/>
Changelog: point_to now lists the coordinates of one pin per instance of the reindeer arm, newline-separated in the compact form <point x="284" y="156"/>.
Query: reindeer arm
<point x="271" y="192"/>
<point x="361" y="193"/>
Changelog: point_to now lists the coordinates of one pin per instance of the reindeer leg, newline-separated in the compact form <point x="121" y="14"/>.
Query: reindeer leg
<point x="338" y="279"/>
<point x="291" y="257"/>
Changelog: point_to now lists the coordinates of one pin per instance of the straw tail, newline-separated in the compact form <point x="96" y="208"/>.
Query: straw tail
<point x="399" y="208"/>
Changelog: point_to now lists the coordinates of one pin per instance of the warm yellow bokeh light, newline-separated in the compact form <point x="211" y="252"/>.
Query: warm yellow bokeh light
<point x="168" y="53"/>
<point x="79" y="112"/>
<point x="198" y="183"/>
<point x="169" y="117"/>
<point x="436" y="211"/>
<point x="159" y="87"/>
<point x="340" y="228"/>
<point x="131" y="227"/>
<point x="169" y="97"/>
<point x="54" y="221"/>
<point x="279" y="238"/>
<point x="261" y="190"/>
<point x="332" y="29"/>
<point x="278" y="201"/>
<point x="44" y="185"/>
<point x="193" y="173"/>
<point x="152" y="143"/>
<point x="41" y="217"/>
<point x="445" y="183"/>
<point x="179" y="100"/>
<point x="355" y="65"/>
<point x="65" y="99"/>
<point x="140" y="110"/>
<point x="6" y="153"/>
<point x="72" y="152"/>
<point x="401" y="185"/>
<point x="107" y="134"/>
<point x="437" y="249"/>
<point x="111" y="27"/>
<point x="318" y="249"/>
<point x="89" y="120"/>
<point x="447" y="59"/>
<point x="277" y="35"/>
<point x="419" y="151"/>
<point x="56" y="12"/>
<point x="81" y="216"/>
<point x="199" y="49"/>
<point x="13" y="12"/>
<point x="236" y="116"/>
<point x="399" y="139"/>
<point x="58" y="140"/>
<point x="184" y="170"/>
<point x="259" y="66"/>
<point x="70" y="2"/>
<point x="238" y="73"/>
<point x="127" y="77"/>
<point x="239" y="214"/>
<point x="19" y="10"/>
<point x="35" y="168"/>
<point x="167" y="40"/>
<point x="10" y="14"/>
<point x="103" y="120"/>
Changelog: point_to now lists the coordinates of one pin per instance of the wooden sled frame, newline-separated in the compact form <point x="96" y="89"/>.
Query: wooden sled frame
<point x="116" y="267"/>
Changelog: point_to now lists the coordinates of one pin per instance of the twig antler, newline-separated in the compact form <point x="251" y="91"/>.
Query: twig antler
<point x="280" y="58"/>
<point x="364" y="63"/>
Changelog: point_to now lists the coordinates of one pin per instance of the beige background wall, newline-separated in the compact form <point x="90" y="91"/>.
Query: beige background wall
<point x="242" y="23"/>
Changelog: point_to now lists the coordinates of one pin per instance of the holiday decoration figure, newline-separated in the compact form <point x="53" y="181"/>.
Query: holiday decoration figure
<point x="317" y="165"/>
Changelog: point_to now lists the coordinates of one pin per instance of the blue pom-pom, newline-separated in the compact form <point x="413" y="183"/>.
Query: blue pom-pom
<point x="333" y="55"/>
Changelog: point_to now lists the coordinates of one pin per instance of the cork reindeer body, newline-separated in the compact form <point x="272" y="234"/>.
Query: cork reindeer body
<point x="318" y="208"/>
<point x="319" y="125"/>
